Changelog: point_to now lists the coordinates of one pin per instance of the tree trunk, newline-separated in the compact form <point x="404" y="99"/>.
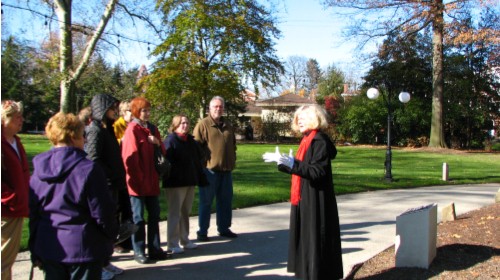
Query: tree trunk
<point x="63" y="10"/>
<point x="205" y="89"/>
<point x="69" y="75"/>
<point x="437" y="126"/>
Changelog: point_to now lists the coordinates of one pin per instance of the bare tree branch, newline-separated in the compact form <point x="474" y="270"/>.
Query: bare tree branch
<point x="143" y="18"/>
<point x="108" y="12"/>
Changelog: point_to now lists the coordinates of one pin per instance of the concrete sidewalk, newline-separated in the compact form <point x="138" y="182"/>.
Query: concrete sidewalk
<point x="260" y="252"/>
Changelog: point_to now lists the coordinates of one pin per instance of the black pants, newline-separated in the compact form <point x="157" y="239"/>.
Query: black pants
<point x="123" y="205"/>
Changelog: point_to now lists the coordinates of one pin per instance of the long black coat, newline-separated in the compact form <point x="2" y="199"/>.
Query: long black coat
<point x="314" y="247"/>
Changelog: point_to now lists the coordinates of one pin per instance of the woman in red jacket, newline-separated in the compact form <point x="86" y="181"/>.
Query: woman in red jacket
<point x="15" y="184"/>
<point x="143" y="180"/>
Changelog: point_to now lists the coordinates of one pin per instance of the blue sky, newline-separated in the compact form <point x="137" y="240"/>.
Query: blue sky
<point x="311" y="31"/>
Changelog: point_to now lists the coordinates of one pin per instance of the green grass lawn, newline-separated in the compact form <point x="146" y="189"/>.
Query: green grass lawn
<point x="356" y="169"/>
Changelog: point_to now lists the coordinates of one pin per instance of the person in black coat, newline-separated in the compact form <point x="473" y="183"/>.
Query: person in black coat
<point x="102" y="147"/>
<point x="315" y="246"/>
<point x="184" y="154"/>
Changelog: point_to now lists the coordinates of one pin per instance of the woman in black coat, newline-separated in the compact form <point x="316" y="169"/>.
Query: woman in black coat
<point x="314" y="247"/>
<point x="102" y="147"/>
<point x="184" y="155"/>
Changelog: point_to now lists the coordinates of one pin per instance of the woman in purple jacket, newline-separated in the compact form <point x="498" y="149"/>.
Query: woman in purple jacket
<point x="72" y="215"/>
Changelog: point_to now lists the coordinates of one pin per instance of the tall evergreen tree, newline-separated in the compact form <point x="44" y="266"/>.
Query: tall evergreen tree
<point x="313" y="75"/>
<point x="20" y="82"/>
<point x="330" y="84"/>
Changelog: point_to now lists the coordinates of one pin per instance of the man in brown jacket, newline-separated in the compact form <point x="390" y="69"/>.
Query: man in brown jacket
<point x="218" y="142"/>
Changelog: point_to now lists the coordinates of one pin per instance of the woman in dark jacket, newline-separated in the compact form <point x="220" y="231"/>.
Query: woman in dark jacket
<point x="314" y="247"/>
<point x="72" y="215"/>
<point x="183" y="154"/>
<point x="101" y="144"/>
<point x="103" y="148"/>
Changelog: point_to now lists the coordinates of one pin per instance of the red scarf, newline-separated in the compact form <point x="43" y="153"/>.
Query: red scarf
<point x="183" y="136"/>
<point x="301" y="153"/>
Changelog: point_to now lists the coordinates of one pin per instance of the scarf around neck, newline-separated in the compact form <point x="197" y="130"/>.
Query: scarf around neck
<point x="182" y="136"/>
<point x="305" y="143"/>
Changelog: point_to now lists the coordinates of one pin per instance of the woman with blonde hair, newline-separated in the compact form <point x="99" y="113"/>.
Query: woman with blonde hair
<point x="124" y="207"/>
<point x="121" y="123"/>
<point x="314" y="250"/>
<point x="15" y="184"/>
<point x="72" y="215"/>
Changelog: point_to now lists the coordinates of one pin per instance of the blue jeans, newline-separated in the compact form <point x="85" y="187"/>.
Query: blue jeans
<point x="221" y="187"/>
<point x="152" y="205"/>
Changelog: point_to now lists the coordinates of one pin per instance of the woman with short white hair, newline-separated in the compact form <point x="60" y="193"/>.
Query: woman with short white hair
<point x="314" y="250"/>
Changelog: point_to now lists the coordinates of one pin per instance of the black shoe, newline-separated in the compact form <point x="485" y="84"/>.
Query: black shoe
<point x="160" y="256"/>
<point x="202" y="238"/>
<point x="141" y="259"/>
<point x="228" y="233"/>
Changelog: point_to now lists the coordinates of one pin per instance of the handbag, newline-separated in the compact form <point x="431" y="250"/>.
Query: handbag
<point x="162" y="165"/>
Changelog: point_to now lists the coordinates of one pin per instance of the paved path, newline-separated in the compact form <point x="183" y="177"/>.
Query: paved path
<point x="260" y="252"/>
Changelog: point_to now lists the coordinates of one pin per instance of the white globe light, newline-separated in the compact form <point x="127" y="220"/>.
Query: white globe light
<point x="372" y="93"/>
<point x="404" y="97"/>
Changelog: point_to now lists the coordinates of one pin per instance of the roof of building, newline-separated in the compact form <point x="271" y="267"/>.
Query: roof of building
<point x="289" y="99"/>
<point x="249" y="95"/>
<point x="252" y="111"/>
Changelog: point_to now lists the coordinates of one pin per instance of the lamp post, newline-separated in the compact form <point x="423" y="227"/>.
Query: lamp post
<point x="404" y="97"/>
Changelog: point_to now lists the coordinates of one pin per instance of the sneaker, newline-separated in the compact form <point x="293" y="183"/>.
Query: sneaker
<point x="112" y="268"/>
<point x="190" y="245"/>
<point x="107" y="275"/>
<point x="176" y="250"/>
